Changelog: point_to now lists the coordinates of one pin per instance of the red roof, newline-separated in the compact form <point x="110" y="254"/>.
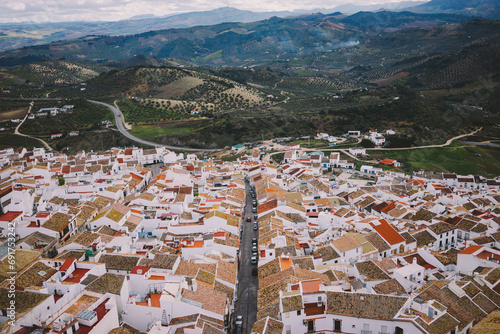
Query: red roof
<point x="137" y="268"/>
<point x="311" y="286"/>
<point x="10" y="216"/>
<point x="386" y="231"/>
<point x="43" y="215"/>
<point x="388" y="162"/>
<point x="67" y="264"/>
<point x="470" y="250"/>
<point x="416" y="182"/>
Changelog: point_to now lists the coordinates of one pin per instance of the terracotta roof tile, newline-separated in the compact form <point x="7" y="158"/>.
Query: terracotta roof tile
<point x="364" y="305"/>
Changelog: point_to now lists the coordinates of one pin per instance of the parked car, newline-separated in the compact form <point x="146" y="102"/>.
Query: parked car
<point x="254" y="271"/>
<point x="239" y="321"/>
<point x="255" y="226"/>
<point x="254" y="210"/>
<point x="253" y="259"/>
<point x="255" y="217"/>
<point x="249" y="219"/>
<point x="254" y="249"/>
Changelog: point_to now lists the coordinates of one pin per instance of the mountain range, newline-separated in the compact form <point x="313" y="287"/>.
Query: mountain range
<point x="236" y="44"/>
<point x="17" y="35"/>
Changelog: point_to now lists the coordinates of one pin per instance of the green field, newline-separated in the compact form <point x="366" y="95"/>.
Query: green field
<point x="153" y="131"/>
<point x="457" y="158"/>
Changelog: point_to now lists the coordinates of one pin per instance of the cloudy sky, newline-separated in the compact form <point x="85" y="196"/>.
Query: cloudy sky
<point x="113" y="10"/>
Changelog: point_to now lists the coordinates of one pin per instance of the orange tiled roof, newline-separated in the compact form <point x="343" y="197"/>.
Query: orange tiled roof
<point x="387" y="232"/>
<point x="470" y="250"/>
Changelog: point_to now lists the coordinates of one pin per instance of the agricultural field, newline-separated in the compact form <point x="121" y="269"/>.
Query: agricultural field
<point x="84" y="116"/>
<point x="11" y="140"/>
<point x="176" y="107"/>
<point x="11" y="109"/>
<point x="155" y="131"/>
<point x="59" y="72"/>
<point x="456" y="158"/>
<point x="178" y="87"/>
<point x="12" y="114"/>
<point x="91" y="140"/>
<point x="146" y="110"/>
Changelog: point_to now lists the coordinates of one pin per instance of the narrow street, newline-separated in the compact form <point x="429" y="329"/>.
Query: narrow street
<point x="248" y="284"/>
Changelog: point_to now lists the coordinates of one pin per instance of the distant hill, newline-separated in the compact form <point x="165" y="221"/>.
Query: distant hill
<point x="353" y="8"/>
<point x="489" y="9"/>
<point x="17" y="35"/>
<point x="235" y="43"/>
<point x="67" y="72"/>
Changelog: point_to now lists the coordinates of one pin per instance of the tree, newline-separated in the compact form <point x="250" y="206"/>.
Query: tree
<point x="62" y="181"/>
<point x="366" y="143"/>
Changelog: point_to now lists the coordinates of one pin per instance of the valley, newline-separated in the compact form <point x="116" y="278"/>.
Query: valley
<point x="426" y="77"/>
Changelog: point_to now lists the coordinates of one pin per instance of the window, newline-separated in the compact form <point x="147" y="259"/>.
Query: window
<point x="288" y="329"/>
<point x="298" y="312"/>
<point x="459" y="235"/>
<point x="383" y="330"/>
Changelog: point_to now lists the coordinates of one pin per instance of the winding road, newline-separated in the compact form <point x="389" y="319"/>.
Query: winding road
<point x="121" y="127"/>
<point x="16" y="131"/>
<point x="346" y="151"/>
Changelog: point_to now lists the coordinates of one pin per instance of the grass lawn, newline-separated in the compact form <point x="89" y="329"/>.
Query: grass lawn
<point x="456" y="158"/>
<point x="153" y="131"/>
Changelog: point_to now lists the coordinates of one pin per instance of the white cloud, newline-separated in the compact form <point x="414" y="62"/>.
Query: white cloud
<point x="15" y="5"/>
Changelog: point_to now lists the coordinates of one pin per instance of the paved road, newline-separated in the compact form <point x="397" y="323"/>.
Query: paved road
<point x="119" y="123"/>
<point x="479" y="143"/>
<point x="16" y="131"/>
<point x="248" y="284"/>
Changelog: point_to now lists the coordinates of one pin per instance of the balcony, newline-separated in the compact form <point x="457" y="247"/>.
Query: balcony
<point x="314" y="308"/>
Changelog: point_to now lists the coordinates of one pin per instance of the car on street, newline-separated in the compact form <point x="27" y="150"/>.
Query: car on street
<point x="255" y="217"/>
<point x="238" y="324"/>
<point x="255" y="226"/>
<point x="249" y="219"/>
<point x="254" y="210"/>
<point x="253" y="260"/>
<point x="254" y="240"/>
<point x="254" y="249"/>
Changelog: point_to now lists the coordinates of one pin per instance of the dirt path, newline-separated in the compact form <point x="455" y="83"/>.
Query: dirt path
<point x="16" y="131"/>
